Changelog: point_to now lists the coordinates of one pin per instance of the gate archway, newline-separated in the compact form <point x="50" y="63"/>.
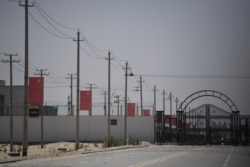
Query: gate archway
<point x="210" y="93"/>
<point x="181" y="116"/>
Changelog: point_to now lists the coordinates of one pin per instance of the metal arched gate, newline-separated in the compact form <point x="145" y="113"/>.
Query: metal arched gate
<point x="205" y="131"/>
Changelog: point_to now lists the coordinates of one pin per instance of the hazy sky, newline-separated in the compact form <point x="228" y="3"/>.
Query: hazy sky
<point x="156" y="37"/>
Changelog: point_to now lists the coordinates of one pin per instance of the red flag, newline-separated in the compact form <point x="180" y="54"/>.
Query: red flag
<point x="130" y="109"/>
<point x="174" y="121"/>
<point x="36" y="90"/>
<point x="146" y="112"/>
<point x="85" y="100"/>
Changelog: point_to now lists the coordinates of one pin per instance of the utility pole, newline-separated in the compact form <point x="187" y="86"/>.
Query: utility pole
<point x="109" y="77"/>
<point x="118" y="102"/>
<point x="164" y="108"/>
<point x="176" y="103"/>
<point x="154" y="100"/>
<point x="104" y="107"/>
<point x="164" y="99"/>
<point x="126" y="102"/>
<point x="41" y="75"/>
<point x="90" y="87"/>
<point x="11" y="96"/>
<point x="26" y="77"/>
<point x="77" y="89"/>
<point x="170" y="122"/>
<point x="41" y="72"/>
<point x="141" y="96"/>
<point x="71" y="92"/>
<point x="154" y="111"/>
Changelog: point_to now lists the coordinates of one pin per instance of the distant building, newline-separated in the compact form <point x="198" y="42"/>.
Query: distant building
<point x="18" y="101"/>
<point x="219" y="118"/>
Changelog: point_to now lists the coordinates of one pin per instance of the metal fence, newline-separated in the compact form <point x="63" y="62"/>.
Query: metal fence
<point x="200" y="128"/>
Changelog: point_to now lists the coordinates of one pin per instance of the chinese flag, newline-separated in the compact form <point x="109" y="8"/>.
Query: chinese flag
<point x="36" y="90"/>
<point x="146" y="112"/>
<point x="85" y="100"/>
<point x="130" y="109"/>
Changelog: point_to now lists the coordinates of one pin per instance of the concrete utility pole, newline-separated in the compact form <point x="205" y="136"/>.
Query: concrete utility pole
<point x="77" y="89"/>
<point x="71" y="92"/>
<point x="11" y="96"/>
<point x="118" y="102"/>
<point x="90" y="88"/>
<point x="170" y="122"/>
<point x="141" y="96"/>
<point x="109" y="77"/>
<point x="164" y="99"/>
<point x="154" y="100"/>
<point x="26" y="78"/>
<point x="104" y="107"/>
<point x="41" y="72"/>
<point x="126" y="102"/>
<point x="176" y="103"/>
<point x="41" y="75"/>
<point x="154" y="111"/>
<point x="164" y="108"/>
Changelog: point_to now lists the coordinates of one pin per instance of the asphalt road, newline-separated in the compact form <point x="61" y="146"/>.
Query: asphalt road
<point x="157" y="156"/>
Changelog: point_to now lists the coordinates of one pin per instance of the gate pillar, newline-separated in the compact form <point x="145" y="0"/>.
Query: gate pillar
<point x="208" y="130"/>
<point x="180" y="129"/>
<point x="235" y="125"/>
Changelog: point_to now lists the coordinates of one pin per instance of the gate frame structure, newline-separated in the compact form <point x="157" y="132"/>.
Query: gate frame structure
<point x="180" y="115"/>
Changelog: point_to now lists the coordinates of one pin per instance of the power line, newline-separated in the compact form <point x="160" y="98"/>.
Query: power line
<point x="53" y="34"/>
<point x="89" y="43"/>
<point x="63" y="26"/>
<point x="43" y="15"/>
<point x="88" y="54"/>
<point x="219" y="76"/>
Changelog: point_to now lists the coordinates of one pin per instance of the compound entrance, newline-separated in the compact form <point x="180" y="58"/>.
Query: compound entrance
<point x="207" y="127"/>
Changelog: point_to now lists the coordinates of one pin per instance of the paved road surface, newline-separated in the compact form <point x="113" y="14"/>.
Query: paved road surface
<point x="157" y="156"/>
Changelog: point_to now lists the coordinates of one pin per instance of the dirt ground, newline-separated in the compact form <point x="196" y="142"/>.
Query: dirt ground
<point x="49" y="148"/>
<point x="55" y="149"/>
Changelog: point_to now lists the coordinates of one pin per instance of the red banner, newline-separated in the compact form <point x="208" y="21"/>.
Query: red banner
<point x="85" y="100"/>
<point x="36" y="90"/>
<point x="130" y="109"/>
<point x="173" y="121"/>
<point x="146" y="112"/>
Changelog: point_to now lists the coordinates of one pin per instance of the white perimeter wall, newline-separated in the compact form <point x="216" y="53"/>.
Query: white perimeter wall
<point x="63" y="128"/>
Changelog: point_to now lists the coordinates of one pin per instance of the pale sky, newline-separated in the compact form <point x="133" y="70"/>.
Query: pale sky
<point x="156" y="37"/>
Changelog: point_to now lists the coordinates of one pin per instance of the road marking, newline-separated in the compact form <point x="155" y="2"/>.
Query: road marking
<point x="228" y="158"/>
<point x="151" y="162"/>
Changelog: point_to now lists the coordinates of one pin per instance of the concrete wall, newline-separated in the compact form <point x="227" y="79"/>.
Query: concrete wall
<point x="62" y="128"/>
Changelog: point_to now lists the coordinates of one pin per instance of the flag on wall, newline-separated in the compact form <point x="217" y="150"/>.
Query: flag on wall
<point x="130" y="109"/>
<point x="146" y="112"/>
<point x="36" y="90"/>
<point x="85" y="100"/>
